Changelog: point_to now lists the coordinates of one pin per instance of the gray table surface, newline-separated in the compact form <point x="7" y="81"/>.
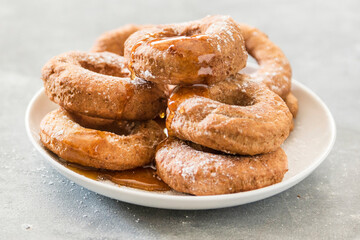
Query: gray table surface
<point x="322" y="42"/>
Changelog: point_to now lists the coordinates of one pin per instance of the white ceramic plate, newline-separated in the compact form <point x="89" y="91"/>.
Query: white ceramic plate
<point x="307" y="146"/>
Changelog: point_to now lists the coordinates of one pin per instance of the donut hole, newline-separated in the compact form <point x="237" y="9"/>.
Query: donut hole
<point x="123" y="128"/>
<point x="204" y="149"/>
<point x="119" y="128"/>
<point x="237" y="98"/>
<point x="201" y="148"/>
<point x="188" y="32"/>
<point x="185" y="31"/>
<point x="105" y="69"/>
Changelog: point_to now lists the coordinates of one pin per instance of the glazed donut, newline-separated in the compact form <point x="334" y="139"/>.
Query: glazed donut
<point x="113" y="41"/>
<point x="117" y="146"/>
<point x="249" y="119"/>
<point x="201" y="51"/>
<point x="275" y="70"/>
<point x="193" y="169"/>
<point x="98" y="85"/>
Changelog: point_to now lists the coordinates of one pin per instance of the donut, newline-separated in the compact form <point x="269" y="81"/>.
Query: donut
<point x="116" y="146"/>
<point x="193" y="169"/>
<point x="113" y="41"/>
<point x="234" y="116"/>
<point x="275" y="69"/>
<point x="201" y="51"/>
<point x="292" y="103"/>
<point x="98" y="85"/>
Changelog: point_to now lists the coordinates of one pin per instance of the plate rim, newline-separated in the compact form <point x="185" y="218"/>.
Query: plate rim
<point x="154" y="196"/>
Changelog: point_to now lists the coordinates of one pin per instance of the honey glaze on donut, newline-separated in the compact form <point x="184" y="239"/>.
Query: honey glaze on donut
<point x="184" y="92"/>
<point x="195" y="52"/>
<point x="112" y="145"/>
<point x="143" y="178"/>
<point x="200" y="54"/>
<point x="234" y="116"/>
<point x="180" y="94"/>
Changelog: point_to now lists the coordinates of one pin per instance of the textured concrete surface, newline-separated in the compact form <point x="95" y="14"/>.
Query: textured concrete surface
<point x="321" y="39"/>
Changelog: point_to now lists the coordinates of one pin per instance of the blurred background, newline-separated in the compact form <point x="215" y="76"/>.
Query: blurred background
<point x="321" y="40"/>
<point x="319" y="37"/>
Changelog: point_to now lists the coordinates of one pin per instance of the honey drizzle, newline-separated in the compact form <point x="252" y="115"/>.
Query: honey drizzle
<point x="143" y="178"/>
<point x="162" y="44"/>
<point x="132" y="60"/>
<point x="132" y="55"/>
<point x="180" y="94"/>
<point x="129" y="94"/>
<point x="162" y="114"/>
<point x="165" y="42"/>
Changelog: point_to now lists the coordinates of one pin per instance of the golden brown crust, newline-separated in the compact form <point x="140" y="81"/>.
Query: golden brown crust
<point x="98" y="85"/>
<point x="113" y="41"/>
<point x="100" y="149"/>
<point x="249" y="119"/>
<point x="187" y="168"/>
<point x="201" y="51"/>
<point x="275" y="69"/>
<point x="292" y="103"/>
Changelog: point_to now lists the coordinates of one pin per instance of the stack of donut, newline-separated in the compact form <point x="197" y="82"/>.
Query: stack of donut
<point x="224" y="127"/>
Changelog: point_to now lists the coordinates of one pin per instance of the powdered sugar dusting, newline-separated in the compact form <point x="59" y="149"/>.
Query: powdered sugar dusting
<point x="148" y="75"/>
<point x="205" y="58"/>
<point x="205" y="71"/>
